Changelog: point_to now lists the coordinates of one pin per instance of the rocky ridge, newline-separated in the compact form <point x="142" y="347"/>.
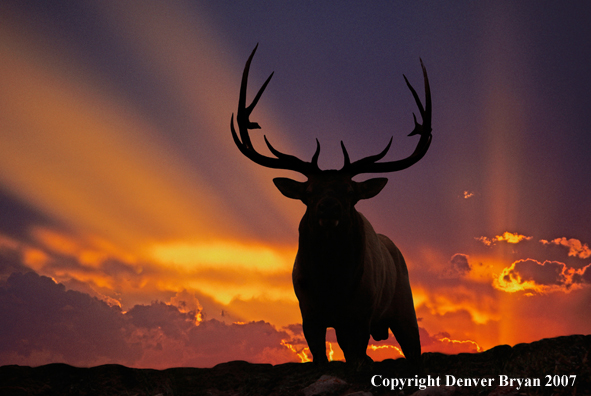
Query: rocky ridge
<point x="561" y="365"/>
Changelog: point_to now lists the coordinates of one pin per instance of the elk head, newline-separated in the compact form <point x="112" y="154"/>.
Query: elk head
<point x="330" y="195"/>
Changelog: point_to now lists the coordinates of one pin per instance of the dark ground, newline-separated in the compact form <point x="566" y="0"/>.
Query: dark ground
<point x="556" y="359"/>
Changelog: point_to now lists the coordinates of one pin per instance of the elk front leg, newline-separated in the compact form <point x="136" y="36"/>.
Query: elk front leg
<point x="353" y="340"/>
<point x="315" y="334"/>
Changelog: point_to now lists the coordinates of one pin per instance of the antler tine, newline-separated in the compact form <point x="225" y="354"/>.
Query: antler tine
<point x="370" y="164"/>
<point x="367" y="160"/>
<point x="243" y="114"/>
<point x="425" y="112"/>
<point x="292" y="158"/>
<point x="244" y="144"/>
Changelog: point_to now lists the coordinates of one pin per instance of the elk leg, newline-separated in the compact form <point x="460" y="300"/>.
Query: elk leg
<point x="316" y="338"/>
<point x="408" y="338"/>
<point x="353" y="340"/>
<point x="404" y="324"/>
<point x="402" y="317"/>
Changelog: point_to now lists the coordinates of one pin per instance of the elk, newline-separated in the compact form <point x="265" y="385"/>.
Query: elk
<point x="345" y="275"/>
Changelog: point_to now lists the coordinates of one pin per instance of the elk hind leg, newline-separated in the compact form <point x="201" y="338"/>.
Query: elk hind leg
<point x="353" y="341"/>
<point x="408" y="338"/>
<point x="402" y="317"/>
<point x="405" y="327"/>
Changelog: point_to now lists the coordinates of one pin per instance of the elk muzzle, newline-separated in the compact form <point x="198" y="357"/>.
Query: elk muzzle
<point x="328" y="212"/>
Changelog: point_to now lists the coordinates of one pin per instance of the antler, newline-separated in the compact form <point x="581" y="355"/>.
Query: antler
<point x="283" y="161"/>
<point x="370" y="164"/>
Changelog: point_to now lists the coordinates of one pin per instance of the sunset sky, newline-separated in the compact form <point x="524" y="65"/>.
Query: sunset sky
<point x="133" y="231"/>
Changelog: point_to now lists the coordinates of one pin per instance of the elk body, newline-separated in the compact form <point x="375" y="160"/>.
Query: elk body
<point x="345" y="275"/>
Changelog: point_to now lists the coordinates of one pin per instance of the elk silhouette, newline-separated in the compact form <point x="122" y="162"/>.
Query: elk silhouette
<point x="345" y="275"/>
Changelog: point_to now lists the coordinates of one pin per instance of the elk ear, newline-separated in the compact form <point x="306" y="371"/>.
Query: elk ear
<point x="290" y="188"/>
<point x="370" y="188"/>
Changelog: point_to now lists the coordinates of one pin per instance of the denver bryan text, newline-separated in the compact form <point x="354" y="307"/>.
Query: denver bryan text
<point x="450" y="380"/>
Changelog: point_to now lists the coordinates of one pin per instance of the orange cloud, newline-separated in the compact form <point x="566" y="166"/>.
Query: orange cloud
<point x="187" y="302"/>
<point x="88" y="251"/>
<point x="381" y="352"/>
<point x="508" y="237"/>
<point x="298" y="346"/>
<point x="280" y="312"/>
<point x="457" y="296"/>
<point x="223" y="254"/>
<point x="575" y="247"/>
<point x="482" y="307"/>
<point x="535" y="277"/>
<point x="468" y="194"/>
<point x="231" y="271"/>
<point x="442" y="342"/>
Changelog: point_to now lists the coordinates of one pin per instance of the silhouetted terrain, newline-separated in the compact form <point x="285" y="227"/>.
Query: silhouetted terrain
<point x="555" y="360"/>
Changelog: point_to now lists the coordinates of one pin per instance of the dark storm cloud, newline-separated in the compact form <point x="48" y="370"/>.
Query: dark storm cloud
<point x="17" y="217"/>
<point x="546" y="273"/>
<point x="543" y="277"/>
<point x="575" y="247"/>
<point x="10" y="262"/>
<point x="459" y="265"/>
<point x="161" y="316"/>
<point x="236" y="341"/>
<point x="42" y="322"/>
<point x="583" y="275"/>
<point x="41" y="318"/>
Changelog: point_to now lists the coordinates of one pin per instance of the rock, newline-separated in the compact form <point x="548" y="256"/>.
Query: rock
<point x="326" y="385"/>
